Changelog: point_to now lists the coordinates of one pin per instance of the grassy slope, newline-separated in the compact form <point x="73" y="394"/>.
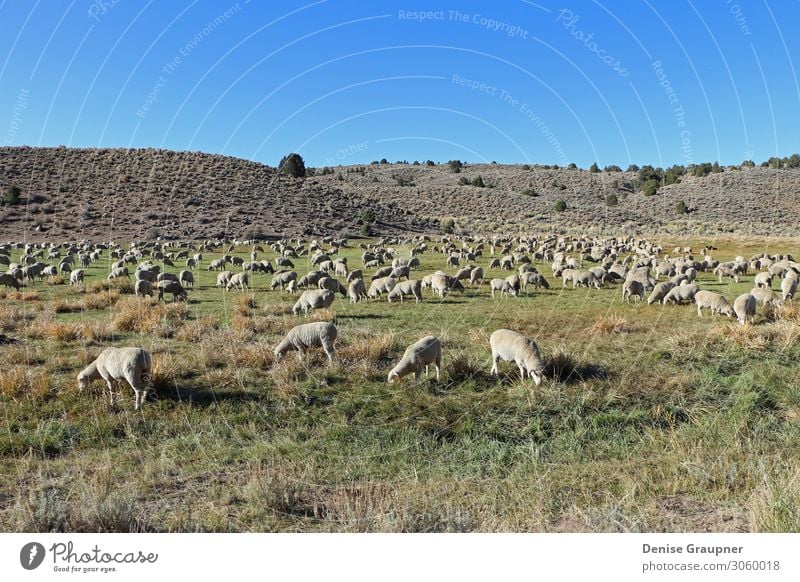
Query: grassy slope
<point x="678" y="423"/>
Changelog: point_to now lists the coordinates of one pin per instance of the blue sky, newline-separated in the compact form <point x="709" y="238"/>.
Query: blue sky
<point x="342" y="82"/>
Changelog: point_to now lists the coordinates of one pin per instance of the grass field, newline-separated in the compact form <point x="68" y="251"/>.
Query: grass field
<point x="649" y="418"/>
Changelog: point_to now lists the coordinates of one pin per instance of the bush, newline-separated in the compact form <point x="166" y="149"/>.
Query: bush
<point x="463" y="181"/>
<point x="681" y="207"/>
<point x="594" y="169"/>
<point x="448" y="225"/>
<point x="649" y="187"/>
<point x="12" y="195"/>
<point x="560" y="205"/>
<point x="455" y="166"/>
<point x="612" y="200"/>
<point x="478" y="182"/>
<point x="530" y="192"/>
<point x="292" y="165"/>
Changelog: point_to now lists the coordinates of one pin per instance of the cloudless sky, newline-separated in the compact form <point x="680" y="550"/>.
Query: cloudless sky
<point x="343" y="82"/>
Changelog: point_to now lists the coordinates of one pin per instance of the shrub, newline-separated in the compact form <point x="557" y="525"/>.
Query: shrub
<point x="478" y="182"/>
<point x="560" y="205"/>
<point x="455" y="166"/>
<point x="292" y="165"/>
<point x="649" y="187"/>
<point x="530" y="192"/>
<point x="612" y="200"/>
<point x="463" y="181"/>
<point x="12" y="195"/>
<point x="594" y="169"/>
<point x="681" y="207"/>
<point x="448" y="225"/>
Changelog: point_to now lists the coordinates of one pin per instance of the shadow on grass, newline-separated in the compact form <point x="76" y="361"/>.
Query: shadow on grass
<point x="564" y="368"/>
<point x="199" y="396"/>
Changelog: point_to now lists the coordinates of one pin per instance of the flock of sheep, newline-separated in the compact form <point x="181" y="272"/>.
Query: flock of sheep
<point x="636" y="264"/>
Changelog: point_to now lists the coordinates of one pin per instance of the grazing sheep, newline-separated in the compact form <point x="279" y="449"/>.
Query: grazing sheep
<point x="10" y="281"/>
<point x="332" y="284"/>
<point x="309" y="335"/>
<point x="217" y="264"/>
<point x="763" y="280"/>
<point x="585" y="279"/>
<point x="186" y="278"/>
<point x="356" y="290"/>
<point x="503" y="286"/>
<point x="421" y="354"/>
<point x="119" y="272"/>
<point x="681" y="293"/>
<point x="632" y="288"/>
<point x="241" y="280"/>
<point x="382" y="285"/>
<point x="313" y="299"/>
<point x="113" y="365"/>
<point x="713" y="301"/>
<point x="382" y="272"/>
<point x="282" y="279"/>
<point x="788" y="287"/>
<point x="172" y="287"/>
<point x="223" y="278"/>
<point x="511" y="346"/>
<point x="476" y="276"/>
<point x="745" y="307"/>
<point x="725" y="271"/>
<point x="355" y="274"/>
<point x="442" y="284"/>
<point x="291" y="287"/>
<point x="765" y="296"/>
<point x="167" y="277"/>
<point x="143" y="287"/>
<point x="660" y="291"/>
<point x="410" y="287"/>
<point x="76" y="276"/>
<point x="143" y="274"/>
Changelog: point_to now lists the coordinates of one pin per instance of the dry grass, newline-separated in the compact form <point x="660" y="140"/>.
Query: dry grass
<point x="244" y="304"/>
<point x="102" y="299"/>
<point x="120" y="284"/>
<point x="143" y="316"/>
<point x="23" y="296"/>
<point x="55" y="280"/>
<point x="196" y="331"/>
<point x="780" y="335"/>
<point x="12" y="317"/>
<point x="610" y="325"/>
<point x="23" y="381"/>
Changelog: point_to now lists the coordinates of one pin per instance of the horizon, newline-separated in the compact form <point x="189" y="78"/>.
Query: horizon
<point x="534" y="83"/>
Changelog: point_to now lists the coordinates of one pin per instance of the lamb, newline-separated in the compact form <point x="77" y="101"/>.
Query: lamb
<point x="714" y="301"/>
<point x="660" y="291"/>
<point x="113" y="365"/>
<point x="745" y="307"/>
<point x="10" y="281"/>
<point x="143" y="287"/>
<point x="241" y="280"/>
<point x="410" y="287"/>
<point x="309" y="335"/>
<point x="356" y="290"/>
<point x="425" y="352"/>
<point x="680" y="294"/>
<point x="511" y="346"/>
<point x="172" y="287"/>
<point x="313" y="299"/>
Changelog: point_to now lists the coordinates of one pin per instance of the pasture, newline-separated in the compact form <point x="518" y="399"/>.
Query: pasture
<point x="648" y="419"/>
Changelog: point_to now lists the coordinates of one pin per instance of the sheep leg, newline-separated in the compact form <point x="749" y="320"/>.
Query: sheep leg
<point x="494" y="370"/>
<point x="110" y="383"/>
<point x="521" y="371"/>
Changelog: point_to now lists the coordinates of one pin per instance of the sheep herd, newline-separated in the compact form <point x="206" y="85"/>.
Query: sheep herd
<point x="636" y="265"/>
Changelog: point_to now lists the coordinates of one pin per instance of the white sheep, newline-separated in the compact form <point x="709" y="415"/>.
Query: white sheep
<point x="714" y="301"/>
<point x="681" y="293"/>
<point x="660" y="292"/>
<point x="511" y="346"/>
<point x="309" y="335"/>
<point x="313" y="299"/>
<point x="763" y="280"/>
<point x="411" y="287"/>
<point x="356" y="290"/>
<point x="765" y="296"/>
<point x="632" y="288"/>
<point x="421" y="354"/>
<point x="143" y="287"/>
<point x="76" y="276"/>
<point x="113" y="365"/>
<point x="745" y="307"/>
<point x="788" y="287"/>
<point x="241" y="280"/>
<point x="381" y="285"/>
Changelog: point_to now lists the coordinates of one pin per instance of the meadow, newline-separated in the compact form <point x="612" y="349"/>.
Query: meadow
<point x="648" y="419"/>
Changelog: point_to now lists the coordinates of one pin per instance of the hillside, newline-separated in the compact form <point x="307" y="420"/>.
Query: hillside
<point x="117" y="193"/>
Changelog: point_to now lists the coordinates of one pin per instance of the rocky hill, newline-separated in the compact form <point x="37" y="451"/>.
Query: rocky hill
<point x="117" y="193"/>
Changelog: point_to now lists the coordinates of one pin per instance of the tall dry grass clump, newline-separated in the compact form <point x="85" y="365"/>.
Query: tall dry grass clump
<point x="142" y="316"/>
<point x="120" y="284"/>
<point x="23" y="381"/>
<point x="102" y="299"/>
<point x="610" y="325"/>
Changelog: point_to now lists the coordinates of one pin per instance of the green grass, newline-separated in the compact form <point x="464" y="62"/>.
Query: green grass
<point x="650" y="418"/>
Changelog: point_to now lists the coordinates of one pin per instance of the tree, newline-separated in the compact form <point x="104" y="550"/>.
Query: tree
<point x="632" y="168"/>
<point x="572" y="166"/>
<point x="448" y="225"/>
<point x="292" y="165"/>
<point x="11" y="195"/>
<point x="429" y="163"/>
<point x="560" y="205"/>
<point x="367" y="218"/>
<point x="612" y="168"/>
<point x="593" y="168"/>
<point x="681" y="207"/>
<point x="455" y="166"/>
<point x="649" y="187"/>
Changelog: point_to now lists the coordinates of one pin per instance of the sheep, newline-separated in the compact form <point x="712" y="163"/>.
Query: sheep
<point x="745" y="307"/>
<point x="410" y="287"/>
<point x="310" y="279"/>
<point x="76" y="276"/>
<point x="425" y="352"/>
<point x="765" y="296"/>
<point x="333" y="284"/>
<point x="113" y="365"/>
<point x="356" y="290"/>
<point x="584" y="279"/>
<point x="680" y="294"/>
<point x="355" y="274"/>
<point x="382" y="285"/>
<point x="660" y="291"/>
<point x="217" y="264"/>
<point x="441" y="284"/>
<point x="535" y="279"/>
<point x="291" y="286"/>
<point x="476" y="276"/>
<point x="172" y="287"/>
<point x="382" y="272"/>
<point x="186" y="278"/>
<point x="313" y="299"/>
<point x="503" y="286"/>
<point x="143" y="274"/>
<point x="714" y="301"/>
<point x="143" y="287"/>
<point x="632" y="288"/>
<point x="167" y="277"/>
<point x="726" y="271"/>
<point x="119" y="272"/>
<point x="763" y="280"/>
<point x="241" y="280"/>
<point x="223" y="278"/>
<point x="511" y="346"/>
<point x="788" y="287"/>
<point x="282" y="279"/>
<point x="10" y="281"/>
<point x="309" y="335"/>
